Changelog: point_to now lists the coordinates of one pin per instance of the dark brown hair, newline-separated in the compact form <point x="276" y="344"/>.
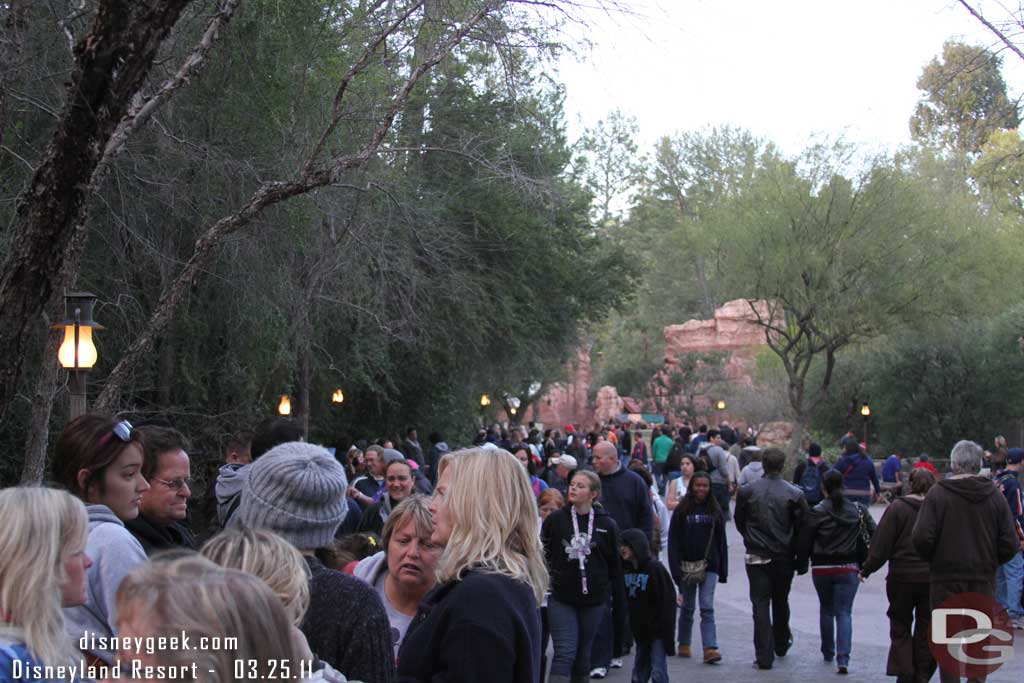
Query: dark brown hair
<point x="89" y="443"/>
<point x="159" y="440"/>
<point x="921" y="480"/>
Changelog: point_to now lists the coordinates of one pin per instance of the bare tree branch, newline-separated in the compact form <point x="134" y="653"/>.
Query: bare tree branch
<point x="999" y="34"/>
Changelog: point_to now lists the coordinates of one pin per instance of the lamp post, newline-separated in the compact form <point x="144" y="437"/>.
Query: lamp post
<point x="865" y="411"/>
<point x="485" y="401"/>
<point x="337" y="398"/>
<point x="284" y="408"/>
<point x="77" y="353"/>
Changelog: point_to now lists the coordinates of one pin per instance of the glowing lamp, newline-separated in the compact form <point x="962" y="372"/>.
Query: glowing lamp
<point x="865" y="410"/>
<point x="720" y="404"/>
<point x="485" y="401"/>
<point x="337" y="397"/>
<point x="285" y="406"/>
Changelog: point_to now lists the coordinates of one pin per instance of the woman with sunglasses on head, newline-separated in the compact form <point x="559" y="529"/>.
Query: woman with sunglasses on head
<point x="100" y="461"/>
<point x="43" y="565"/>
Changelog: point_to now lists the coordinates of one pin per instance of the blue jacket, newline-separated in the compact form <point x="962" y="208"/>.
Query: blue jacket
<point x="858" y="472"/>
<point x="627" y="499"/>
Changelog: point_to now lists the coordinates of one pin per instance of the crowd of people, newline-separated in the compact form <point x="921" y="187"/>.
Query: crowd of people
<point x="388" y="563"/>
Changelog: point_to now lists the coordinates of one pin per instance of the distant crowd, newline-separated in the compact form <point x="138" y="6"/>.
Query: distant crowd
<point x="529" y="556"/>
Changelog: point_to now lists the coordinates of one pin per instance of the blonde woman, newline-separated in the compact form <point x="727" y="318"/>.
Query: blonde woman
<point x="43" y="566"/>
<point x="243" y="624"/>
<point x="482" y="623"/>
<point x="267" y="556"/>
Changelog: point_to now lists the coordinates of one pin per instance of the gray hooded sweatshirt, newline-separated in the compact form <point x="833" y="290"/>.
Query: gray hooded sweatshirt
<point x="230" y="482"/>
<point x="373" y="570"/>
<point x="114" y="552"/>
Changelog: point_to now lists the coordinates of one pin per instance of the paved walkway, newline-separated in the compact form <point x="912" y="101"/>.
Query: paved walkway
<point x="804" y="661"/>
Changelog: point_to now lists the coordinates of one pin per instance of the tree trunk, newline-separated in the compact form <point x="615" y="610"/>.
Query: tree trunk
<point x="111" y="63"/>
<point x="47" y="386"/>
<point x="302" y="406"/>
<point x="702" y="281"/>
<point x="11" y="43"/>
<point x="165" y="371"/>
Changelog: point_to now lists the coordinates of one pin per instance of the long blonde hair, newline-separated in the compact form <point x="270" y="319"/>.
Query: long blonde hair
<point x="494" y="519"/>
<point x="236" y="613"/>
<point x="266" y="555"/>
<point x="42" y="527"/>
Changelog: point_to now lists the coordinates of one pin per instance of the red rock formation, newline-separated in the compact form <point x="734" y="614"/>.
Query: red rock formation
<point x="567" y="402"/>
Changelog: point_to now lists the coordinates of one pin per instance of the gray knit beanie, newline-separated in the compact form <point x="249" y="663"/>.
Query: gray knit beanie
<point x="391" y="455"/>
<point x="297" y="490"/>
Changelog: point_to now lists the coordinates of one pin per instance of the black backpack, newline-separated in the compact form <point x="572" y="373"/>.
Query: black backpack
<point x="810" y="483"/>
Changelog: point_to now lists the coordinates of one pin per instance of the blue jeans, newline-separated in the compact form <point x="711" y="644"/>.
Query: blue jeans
<point x="835" y="594"/>
<point x="1009" y="582"/>
<point x="650" y="664"/>
<point x="708" y="634"/>
<point x="572" y="634"/>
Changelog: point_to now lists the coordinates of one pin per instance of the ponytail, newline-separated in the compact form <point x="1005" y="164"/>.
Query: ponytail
<point x="832" y="482"/>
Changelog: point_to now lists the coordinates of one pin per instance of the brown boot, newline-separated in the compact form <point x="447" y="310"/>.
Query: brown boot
<point x="712" y="655"/>
<point x="684" y="651"/>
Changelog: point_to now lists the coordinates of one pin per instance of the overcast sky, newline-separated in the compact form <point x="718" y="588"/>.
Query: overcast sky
<point x="788" y="70"/>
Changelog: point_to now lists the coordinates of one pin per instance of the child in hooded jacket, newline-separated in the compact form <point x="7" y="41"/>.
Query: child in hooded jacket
<point x="651" y="597"/>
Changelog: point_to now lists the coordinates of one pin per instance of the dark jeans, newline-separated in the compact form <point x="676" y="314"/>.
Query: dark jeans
<point x="910" y="616"/>
<point x="769" y="595"/>
<point x="941" y="590"/>
<point x="604" y="641"/>
<point x="572" y="631"/>
<point x="650" y="664"/>
<point x="721" y="494"/>
<point x="835" y="614"/>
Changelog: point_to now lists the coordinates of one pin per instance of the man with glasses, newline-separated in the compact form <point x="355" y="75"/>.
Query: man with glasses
<point x="163" y="510"/>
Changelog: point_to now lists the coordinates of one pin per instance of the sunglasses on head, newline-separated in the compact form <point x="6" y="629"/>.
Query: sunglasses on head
<point x="122" y="430"/>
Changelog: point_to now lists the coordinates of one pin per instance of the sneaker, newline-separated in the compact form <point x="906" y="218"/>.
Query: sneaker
<point x="762" y="667"/>
<point x="599" y="672"/>
<point x="684" y="651"/>
<point x="842" y="670"/>
<point x="616" y="663"/>
<point x="1018" y="623"/>
<point x="781" y="651"/>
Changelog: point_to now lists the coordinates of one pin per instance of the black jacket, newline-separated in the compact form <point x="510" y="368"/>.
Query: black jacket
<point x="829" y="536"/>
<point x="769" y="513"/>
<point x="603" y="565"/>
<point x="964" y="530"/>
<point x="484" y="628"/>
<point x="649" y="593"/>
<point x="157" y="537"/>
<point x="688" y="540"/>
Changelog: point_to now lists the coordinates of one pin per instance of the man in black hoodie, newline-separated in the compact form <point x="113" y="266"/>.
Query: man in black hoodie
<point x="651" y="597"/>
<point x="964" y="531"/>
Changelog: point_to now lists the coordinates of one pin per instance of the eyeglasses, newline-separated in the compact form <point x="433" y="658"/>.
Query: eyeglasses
<point x="175" y="484"/>
<point x="122" y="430"/>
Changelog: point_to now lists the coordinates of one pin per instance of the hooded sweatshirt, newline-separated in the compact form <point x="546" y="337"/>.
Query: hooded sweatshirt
<point x="230" y="482"/>
<point x="893" y="543"/>
<point x="114" y="552"/>
<point x="858" y="472"/>
<point x="373" y="570"/>
<point x="649" y="593"/>
<point x="964" y="530"/>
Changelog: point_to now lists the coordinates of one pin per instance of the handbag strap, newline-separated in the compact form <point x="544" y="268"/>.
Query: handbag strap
<point x="711" y="538"/>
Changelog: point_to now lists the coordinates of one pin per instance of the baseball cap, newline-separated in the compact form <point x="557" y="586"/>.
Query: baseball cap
<point x="566" y="460"/>
<point x="1015" y="456"/>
